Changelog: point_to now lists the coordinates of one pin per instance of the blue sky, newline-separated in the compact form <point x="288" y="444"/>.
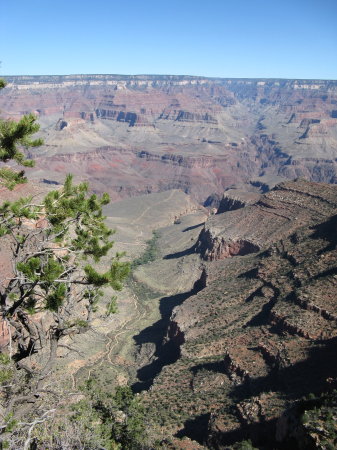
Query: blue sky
<point x="219" y="38"/>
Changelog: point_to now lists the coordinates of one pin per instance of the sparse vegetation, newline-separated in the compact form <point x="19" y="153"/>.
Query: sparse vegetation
<point x="318" y="418"/>
<point x="244" y="445"/>
<point x="151" y="252"/>
<point x="114" y="421"/>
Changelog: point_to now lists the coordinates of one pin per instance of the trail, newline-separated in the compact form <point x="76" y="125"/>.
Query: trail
<point x="116" y="354"/>
<point x="113" y="340"/>
<point x="151" y="207"/>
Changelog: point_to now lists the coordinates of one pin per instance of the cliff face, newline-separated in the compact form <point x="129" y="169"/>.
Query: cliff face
<point x="235" y="199"/>
<point x="261" y="334"/>
<point x="280" y="212"/>
<point x="220" y="132"/>
<point x="127" y="172"/>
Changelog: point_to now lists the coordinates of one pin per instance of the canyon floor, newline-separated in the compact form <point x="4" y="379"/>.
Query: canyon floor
<point x="109" y="351"/>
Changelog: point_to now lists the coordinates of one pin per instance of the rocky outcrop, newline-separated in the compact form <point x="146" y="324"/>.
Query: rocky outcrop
<point x="179" y="160"/>
<point x="306" y="122"/>
<point x="235" y="199"/>
<point x="120" y="116"/>
<point x="283" y="325"/>
<point x="276" y="215"/>
<point x="61" y="124"/>
<point x="186" y="116"/>
<point x="235" y="84"/>
<point x="175" y="331"/>
<point x="214" y="247"/>
<point x="174" y="334"/>
<point x="236" y="373"/>
<point x="213" y="201"/>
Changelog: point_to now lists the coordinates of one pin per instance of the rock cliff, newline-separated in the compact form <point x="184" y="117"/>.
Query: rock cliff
<point x="235" y="199"/>
<point x="281" y="211"/>
<point x="262" y="332"/>
<point x="225" y="132"/>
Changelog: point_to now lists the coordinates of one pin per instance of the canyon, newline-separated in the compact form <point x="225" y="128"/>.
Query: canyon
<point x="226" y="346"/>
<point x="259" y="333"/>
<point x="134" y="135"/>
<point x="227" y="333"/>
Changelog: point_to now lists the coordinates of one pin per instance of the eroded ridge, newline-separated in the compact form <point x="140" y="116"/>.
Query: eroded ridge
<point x="278" y="213"/>
<point x="260" y="335"/>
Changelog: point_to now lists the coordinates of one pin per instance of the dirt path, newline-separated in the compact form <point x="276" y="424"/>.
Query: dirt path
<point x="151" y="207"/>
<point x="130" y="326"/>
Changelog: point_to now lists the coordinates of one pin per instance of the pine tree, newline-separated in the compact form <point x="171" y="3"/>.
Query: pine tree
<point x="14" y="137"/>
<point x="55" y="246"/>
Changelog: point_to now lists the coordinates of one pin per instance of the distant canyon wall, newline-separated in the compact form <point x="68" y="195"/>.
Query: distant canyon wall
<point x="131" y="135"/>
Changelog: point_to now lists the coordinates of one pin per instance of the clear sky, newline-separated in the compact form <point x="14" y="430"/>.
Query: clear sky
<point x="217" y="38"/>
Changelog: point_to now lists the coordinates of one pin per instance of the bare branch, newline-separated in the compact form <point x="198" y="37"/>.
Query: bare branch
<point x="46" y="416"/>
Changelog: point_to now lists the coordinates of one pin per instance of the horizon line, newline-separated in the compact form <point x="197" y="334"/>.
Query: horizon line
<point x="167" y="75"/>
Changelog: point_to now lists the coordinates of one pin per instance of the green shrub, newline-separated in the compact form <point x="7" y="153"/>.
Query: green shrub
<point x="151" y="252"/>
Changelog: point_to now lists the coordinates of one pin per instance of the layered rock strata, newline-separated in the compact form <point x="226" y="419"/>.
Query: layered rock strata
<point x="235" y="199"/>
<point x="197" y="134"/>
<point x="280" y="212"/>
<point x="261" y="334"/>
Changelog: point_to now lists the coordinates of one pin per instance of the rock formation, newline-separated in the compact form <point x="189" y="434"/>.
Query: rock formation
<point x="281" y="211"/>
<point x="257" y="331"/>
<point x="235" y="199"/>
<point x="262" y="332"/>
<point x="138" y="134"/>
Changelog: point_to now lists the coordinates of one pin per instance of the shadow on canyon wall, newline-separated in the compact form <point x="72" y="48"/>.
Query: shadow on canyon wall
<point x="188" y="251"/>
<point x="167" y="348"/>
<point x="293" y="383"/>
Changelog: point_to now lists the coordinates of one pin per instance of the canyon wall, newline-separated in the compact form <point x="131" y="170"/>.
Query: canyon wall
<point x="261" y="333"/>
<point x="137" y="134"/>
